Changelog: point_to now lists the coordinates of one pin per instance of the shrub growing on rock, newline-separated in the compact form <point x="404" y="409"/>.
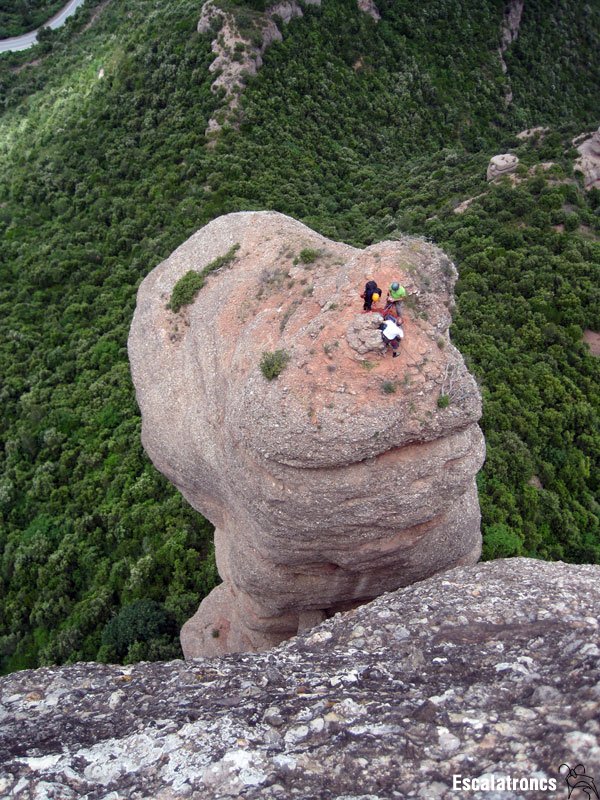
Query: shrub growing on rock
<point x="309" y="255"/>
<point x="143" y="622"/>
<point x="273" y="364"/>
<point x="187" y="287"/>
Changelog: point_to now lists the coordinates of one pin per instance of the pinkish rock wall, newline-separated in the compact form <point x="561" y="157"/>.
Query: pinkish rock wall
<point x="369" y="7"/>
<point x="342" y="478"/>
<point x="589" y="161"/>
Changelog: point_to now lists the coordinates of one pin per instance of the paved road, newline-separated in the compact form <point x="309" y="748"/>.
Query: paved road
<point x="28" y="39"/>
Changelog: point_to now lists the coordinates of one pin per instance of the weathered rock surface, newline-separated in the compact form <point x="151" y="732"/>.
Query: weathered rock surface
<point x="589" y="161"/>
<point x="509" y="33"/>
<point x="369" y="7"/>
<point x="239" y="51"/>
<point x="492" y="669"/>
<point x="342" y="478"/>
<point x="529" y="133"/>
<point x="592" y="339"/>
<point x="506" y="165"/>
<point x="465" y="205"/>
<point x="503" y="164"/>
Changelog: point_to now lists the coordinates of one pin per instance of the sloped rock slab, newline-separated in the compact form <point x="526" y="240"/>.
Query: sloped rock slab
<point x="480" y="670"/>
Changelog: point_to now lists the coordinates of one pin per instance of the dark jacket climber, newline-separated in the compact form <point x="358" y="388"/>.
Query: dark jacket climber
<point x="371" y="294"/>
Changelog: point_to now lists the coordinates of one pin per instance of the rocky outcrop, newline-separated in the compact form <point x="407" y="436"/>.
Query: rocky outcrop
<point x="589" y="161"/>
<point x="481" y="671"/>
<point x="509" y="32"/>
<point x="466" y="204"/>
<point x="529" y="133"/>
<point x="239" y="48"/>
<point x="240" y="43"/>
<point x="510" y="27"/>
<point x="369" y="7"/>
<point x="503" y="164"/>
<point x="592" y="339"/>
<point x="349" y="475"/>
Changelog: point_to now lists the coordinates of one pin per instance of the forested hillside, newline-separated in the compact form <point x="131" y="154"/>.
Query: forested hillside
<point x="360" y="129"/>
<point x="19" y="16"/>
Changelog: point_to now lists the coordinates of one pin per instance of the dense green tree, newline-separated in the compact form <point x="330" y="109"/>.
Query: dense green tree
<point x="142" y="629"/>
<point x="19" y="16"/>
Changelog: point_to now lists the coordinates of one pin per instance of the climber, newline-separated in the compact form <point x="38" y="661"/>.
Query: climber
<point x="396" y="295"/>
<point x="391" y="334"/>
<point x="371" y="295"/>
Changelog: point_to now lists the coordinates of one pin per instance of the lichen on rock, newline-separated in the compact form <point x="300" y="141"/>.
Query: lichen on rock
<point x="324" y="489"/>
<point x="490" y="668"/>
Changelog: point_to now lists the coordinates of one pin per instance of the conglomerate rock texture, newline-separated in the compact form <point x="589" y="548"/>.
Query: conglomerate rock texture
<point x="345" y="477"/>
<point x="480" y="671"/>
<point x="589" y="160"/>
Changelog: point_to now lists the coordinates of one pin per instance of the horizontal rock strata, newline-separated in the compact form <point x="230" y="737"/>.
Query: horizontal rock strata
<point x="350" y="474"/>
<point x="503" y="164"/>
<point x="492" y="669"/>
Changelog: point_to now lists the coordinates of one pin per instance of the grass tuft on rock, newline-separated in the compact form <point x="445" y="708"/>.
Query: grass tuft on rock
<point x="185" y="290"/>
<point x="308" y="255"/>
<point x="273" y="364"/>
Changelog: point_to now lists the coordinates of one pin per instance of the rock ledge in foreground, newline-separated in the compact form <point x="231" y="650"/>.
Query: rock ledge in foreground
<point x="485" y="669"/>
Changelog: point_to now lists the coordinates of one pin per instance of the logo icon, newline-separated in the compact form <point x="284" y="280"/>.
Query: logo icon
<point x="576" y="778"/>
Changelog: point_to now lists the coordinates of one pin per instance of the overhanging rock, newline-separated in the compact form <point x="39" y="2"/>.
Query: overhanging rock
<point x="350" y="474"/>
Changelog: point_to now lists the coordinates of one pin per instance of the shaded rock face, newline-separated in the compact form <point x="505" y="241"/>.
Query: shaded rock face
<point x="238" y="53"/>
<point x="369" y="7"/>
<point x="503" y="164"/>
<point x="339" y="480"/>
<point x="589" y="161"/>
<point x="509" y="33"/>
<point x="511" y="23"/>
<point x="480" y="670"/>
